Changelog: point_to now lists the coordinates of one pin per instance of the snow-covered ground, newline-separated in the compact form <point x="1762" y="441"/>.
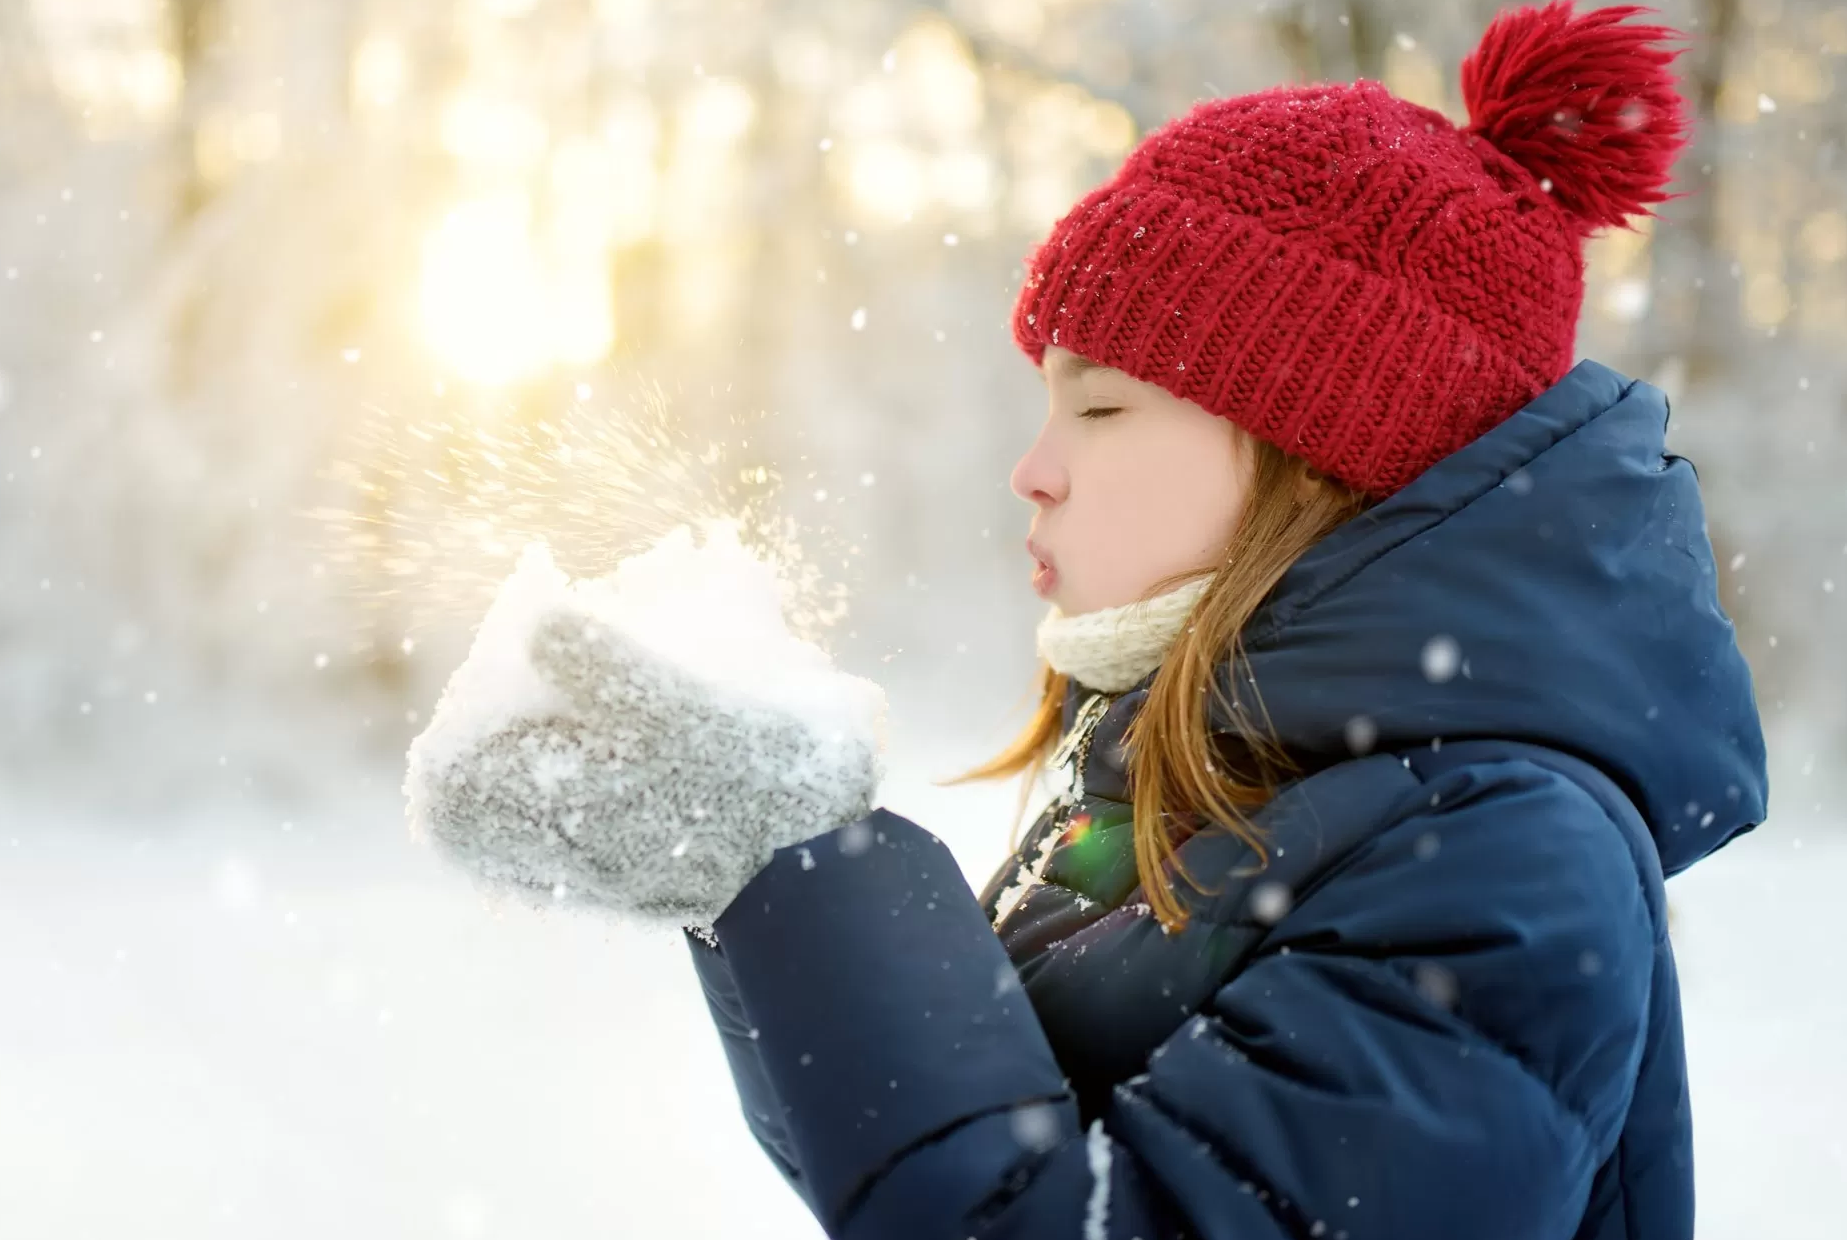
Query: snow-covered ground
<point x="232" y="1027"/>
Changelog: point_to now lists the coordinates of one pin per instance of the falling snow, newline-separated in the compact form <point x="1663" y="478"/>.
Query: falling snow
<point x="178" y="388"/>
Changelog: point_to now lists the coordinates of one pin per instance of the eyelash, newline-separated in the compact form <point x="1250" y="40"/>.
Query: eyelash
<point x="1099" y="411"/>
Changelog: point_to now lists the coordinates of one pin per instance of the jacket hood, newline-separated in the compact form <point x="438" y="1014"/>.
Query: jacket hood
<point x="1551" y="582"/>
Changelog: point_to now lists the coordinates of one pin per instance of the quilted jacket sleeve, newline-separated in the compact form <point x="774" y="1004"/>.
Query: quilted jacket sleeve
<point x="1439" y="1040"/>
<point x="763" y="1113"/>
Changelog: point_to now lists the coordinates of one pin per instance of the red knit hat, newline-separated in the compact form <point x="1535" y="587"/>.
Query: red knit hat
<point x="1349" y="275"/>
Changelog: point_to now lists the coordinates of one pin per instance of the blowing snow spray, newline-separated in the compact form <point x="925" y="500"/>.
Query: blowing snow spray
<point x="442" y="505"/>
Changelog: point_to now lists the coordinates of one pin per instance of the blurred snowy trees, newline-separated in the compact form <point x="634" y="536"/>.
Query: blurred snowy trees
<point x="248" y="246"/>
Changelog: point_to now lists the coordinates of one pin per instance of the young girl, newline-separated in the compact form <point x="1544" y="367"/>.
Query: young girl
<point x="1387" y="670"/>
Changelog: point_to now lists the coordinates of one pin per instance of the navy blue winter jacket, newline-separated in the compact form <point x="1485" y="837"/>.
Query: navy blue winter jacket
<point x="1447" y="1010"/>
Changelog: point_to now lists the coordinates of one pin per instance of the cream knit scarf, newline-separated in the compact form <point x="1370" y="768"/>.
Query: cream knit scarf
<point x="1111" y="650"/>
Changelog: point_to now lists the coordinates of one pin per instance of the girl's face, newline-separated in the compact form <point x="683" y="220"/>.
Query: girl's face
<point x="1130" y="484"/>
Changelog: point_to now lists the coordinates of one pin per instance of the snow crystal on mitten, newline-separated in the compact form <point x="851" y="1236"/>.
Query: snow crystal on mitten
<point x="642" y="742"/>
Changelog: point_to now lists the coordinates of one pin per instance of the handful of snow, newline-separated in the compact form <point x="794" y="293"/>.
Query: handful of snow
<point x="642" y="741"/>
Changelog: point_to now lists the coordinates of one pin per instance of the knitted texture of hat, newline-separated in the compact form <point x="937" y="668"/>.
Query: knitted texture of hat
<point x="1352" y="277"/>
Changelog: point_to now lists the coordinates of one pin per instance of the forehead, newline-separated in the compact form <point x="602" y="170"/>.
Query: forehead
<point x="1064" y="364"/>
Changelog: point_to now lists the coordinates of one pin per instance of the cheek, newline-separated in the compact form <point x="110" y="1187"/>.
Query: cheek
<point x="1194" y="498"/>
<point x="1156" y="504"/>
<point x="1184" y="480"/>
<point x="1105" y="524"/>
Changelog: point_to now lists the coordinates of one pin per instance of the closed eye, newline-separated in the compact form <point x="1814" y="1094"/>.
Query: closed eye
<point x="1099" y="411"/>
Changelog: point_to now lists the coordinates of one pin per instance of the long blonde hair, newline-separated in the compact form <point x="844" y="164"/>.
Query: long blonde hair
<point x="1176" y="772"/>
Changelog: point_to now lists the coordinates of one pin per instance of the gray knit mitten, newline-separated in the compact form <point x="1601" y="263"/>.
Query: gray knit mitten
<point x="648" y="792"/>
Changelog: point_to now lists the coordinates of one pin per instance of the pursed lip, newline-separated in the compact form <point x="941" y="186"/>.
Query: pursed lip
<point x="1045" y="573"/>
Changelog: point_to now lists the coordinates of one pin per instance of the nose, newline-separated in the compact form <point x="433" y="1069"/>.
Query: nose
<point x="1039" y="478"/>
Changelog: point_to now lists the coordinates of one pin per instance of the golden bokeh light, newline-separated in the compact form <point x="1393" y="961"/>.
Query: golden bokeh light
<point x="631" y="135"/>
<point x="1824" y="237"/>
<point x="493" y="135"/>
<point x="585" y="195"/>
<point x="964" y="180"/>
<point x="1017" y="21"/>
<point x="1766" y="299"/>
<point x="143" y="84"/>
<point x="493" y="311"/>
<point x="1412" y="73"/>
<point x="886" y="179"/>
<point x="381" y="72"/>
<point x="224" y="139"/>
<point x="719" y="111"/>
<point x="580" y="313"/>
<point x="703" y="179"/>
<point x="937" y="75"/>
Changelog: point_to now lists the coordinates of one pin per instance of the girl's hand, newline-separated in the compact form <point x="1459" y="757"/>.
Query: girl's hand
<point x="651" y="793"/>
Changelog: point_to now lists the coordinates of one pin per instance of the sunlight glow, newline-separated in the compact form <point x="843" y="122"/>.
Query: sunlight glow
<point x="720" y="111"/>
<point x="936" y="71"/>
<point x="381" y="72"/>
<point x="585" y="195"/>
<point x="493" y="134"/>
<point x="494" y="311"/>
<point x="964" y="180"/>
<point x="580" y="318"/>
<point x="886" y="178"/>
<point x="117" y="84"/>
<point x="225" y="139"/>
<point x="631" y="135"/>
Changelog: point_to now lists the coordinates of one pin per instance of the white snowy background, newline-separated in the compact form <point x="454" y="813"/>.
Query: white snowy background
<point x="310" y="313"/>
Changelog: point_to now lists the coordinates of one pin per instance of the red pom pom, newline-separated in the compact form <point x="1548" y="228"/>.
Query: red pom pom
<point x="1581" y="102"/>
